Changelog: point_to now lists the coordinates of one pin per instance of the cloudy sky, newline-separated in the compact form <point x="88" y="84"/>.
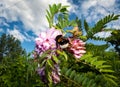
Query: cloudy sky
<point x="25" y="19"/>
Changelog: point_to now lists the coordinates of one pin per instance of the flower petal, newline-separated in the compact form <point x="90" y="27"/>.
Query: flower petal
<point x="55" y="77"/>
<point x="46" y="45"/>
<point x="79" y="51"/>
<point x="78" y="56"/>
<point x="39" y="41"/>
<point x="46" y="40"/>
<point x="80" y="47"/>
<point x="57" y="32"/>
<point x="50" y="32"/>
<point x="43" y="35"/>
<point x="77" y="48"/>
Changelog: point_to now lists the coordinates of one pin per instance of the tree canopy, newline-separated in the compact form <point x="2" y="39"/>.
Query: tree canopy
<point x="10" y="47"/>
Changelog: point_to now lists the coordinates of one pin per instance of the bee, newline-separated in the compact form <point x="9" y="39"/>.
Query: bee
<point x="62" y="41"/>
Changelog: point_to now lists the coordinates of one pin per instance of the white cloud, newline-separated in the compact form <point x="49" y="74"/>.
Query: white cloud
<point x="87" y="4"/>
<point x="106" y="3"/>
<point x="93" y="10"/>
<point x="114" y="24"/>
<point x="1" y="30"/>
<point x="103" y="34"/>
<point x="3" y="23"/>
<point x="30" y="12"/>
<point x="16" y="33"/>
<point x="29" y="38"/>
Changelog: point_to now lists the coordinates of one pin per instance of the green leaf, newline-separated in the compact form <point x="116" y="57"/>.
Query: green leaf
<point x="110" y="76"/>
<point x="65" y="56"/>
<point x="48" y="14"/>
<point x="62" y="53"/>
<point x="63" y="9"/>
<point x="86" y="56"/>
<point x="68" y="72"/>
<point x="72" y="74"/>
<point x="63" y="70"/>
<point x="93" y="61"/>
<point x="81" y="78"/>
<point x="86" y="25"/>
<point x="50" y="63"/>
<point x="105" y="66"/>
<point x="111" y="80"/>
<point x="76" y="77"/>
<point x="93" y="85"/>
<point x="99" y="63"/>
<point x="55" y="59"/>
<point x="51" y="10"/>
<point x="65" y="6"/>
<point x="42" y="63"/>
<point x="54" y="8"/>
<point x="85" y="81"/>
<point x="90" y="83"/>
<point x="49" y="77"/>
<point x="59" y="6"/>
<point x="106" y="70"/>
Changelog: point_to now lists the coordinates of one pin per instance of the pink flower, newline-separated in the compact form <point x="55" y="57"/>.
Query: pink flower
<point x="77" y="48"/>
<point x="46" y="40"/>
<point x="55" y="77"/>
<point x="55" y="74"/>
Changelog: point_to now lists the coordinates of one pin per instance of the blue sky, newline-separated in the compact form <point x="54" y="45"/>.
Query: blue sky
<point x="25" y="19"/>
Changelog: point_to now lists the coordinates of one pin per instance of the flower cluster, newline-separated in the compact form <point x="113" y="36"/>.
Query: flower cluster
<point x="77" y="48"/>
<point x="54" y="75"/>
<point x="47" y="42"/>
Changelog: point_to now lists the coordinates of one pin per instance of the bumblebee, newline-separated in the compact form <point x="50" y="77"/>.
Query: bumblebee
<point x="62" y="41"/>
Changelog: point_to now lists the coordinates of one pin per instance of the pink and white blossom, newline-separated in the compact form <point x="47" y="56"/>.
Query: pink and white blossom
<point x="77" y="48"/>
<point x="46" y="40"/>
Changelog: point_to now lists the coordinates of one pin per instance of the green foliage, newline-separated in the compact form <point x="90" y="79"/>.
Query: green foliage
<point x="99" y="67"/>
<point x="19" y="72"/>
<point x="10" y="47"/>
<point x="63" y="56"/>
<point x="100" y="25"/>
<point x="114" y="39"/>
<point x="99" y="49"/>
<point x="62" y="18"/>
<point x="79" y="79"/>
<point x="54" y="9"/>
